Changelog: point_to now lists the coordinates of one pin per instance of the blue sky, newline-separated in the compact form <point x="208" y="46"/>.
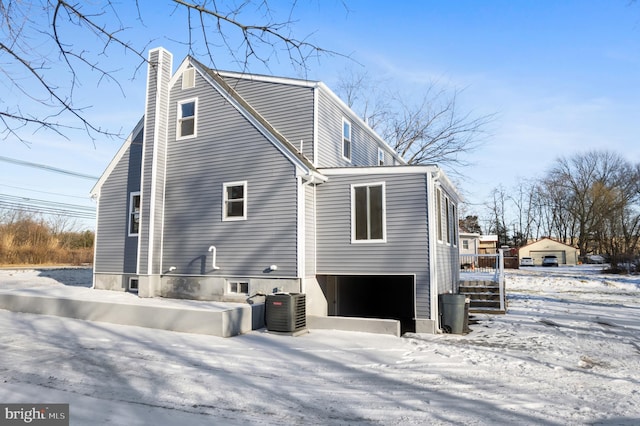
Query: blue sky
<point x="561" y="76"/>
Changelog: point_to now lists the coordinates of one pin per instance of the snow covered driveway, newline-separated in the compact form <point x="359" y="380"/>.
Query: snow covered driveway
<point x="567" y="352"/>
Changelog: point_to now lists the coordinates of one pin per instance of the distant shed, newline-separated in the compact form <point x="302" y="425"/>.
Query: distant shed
<point x="567" y="255"/>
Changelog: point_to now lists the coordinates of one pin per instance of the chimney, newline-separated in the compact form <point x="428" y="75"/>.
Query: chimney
<point x="153" y="163"/>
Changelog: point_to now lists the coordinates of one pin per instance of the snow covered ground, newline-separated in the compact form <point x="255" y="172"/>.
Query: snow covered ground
<point x="567" y="353"/>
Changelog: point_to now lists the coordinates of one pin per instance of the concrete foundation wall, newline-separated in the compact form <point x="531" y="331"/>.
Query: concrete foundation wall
<point x="195" y="287"/>
<point x="316" y="300"/>
<point x="365" y="325"/>
<point x="222" y="323"/>
<point x="114" y="282"/>
<point x="427" y="326"/>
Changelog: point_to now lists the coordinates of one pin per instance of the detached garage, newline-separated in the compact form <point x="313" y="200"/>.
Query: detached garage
<point x="566" y="254"/>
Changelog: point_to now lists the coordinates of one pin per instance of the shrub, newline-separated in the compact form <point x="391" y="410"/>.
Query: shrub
<point x="25" y="240"/>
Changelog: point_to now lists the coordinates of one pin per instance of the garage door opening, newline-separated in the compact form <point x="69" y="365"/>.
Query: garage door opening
<point x="538" y="255"/>
<point x="380" y="296"/>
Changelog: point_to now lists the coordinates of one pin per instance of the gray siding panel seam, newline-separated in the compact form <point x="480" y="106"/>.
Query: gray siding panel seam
<point x="196" y="172"/>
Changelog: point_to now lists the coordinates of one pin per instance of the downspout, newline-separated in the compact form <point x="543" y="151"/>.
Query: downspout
<point x="96" y="198"/>
<point x="433" y="269"/>
<point x="302" y="226"/>
<point x="301" y="234"/>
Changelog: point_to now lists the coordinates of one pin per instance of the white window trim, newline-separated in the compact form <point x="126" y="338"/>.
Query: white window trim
<point x="179" y="118"/>
<point x="232" y="285"/>
<point x="225" y="185"/>
<point x="132" y="289"/>
<point x="353" y="213"/>
<point x="349" y="139"/>
<point x="454" y="224"/>
<point x="129" y="233"/>
<point x="380" y="157"/>
<point x="438" y="218"/>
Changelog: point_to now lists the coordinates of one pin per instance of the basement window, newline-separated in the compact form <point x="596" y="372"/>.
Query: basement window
<point x="133" y="285"/>
<point x="237" y="287"/>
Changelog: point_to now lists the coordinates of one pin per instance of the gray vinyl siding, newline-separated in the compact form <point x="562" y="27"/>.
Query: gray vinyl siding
<point x="447" y="256"/>
<point x="288" y="108"/>
<point x="133" y="185"/>
<point x="448" y="263"/>
<point x="227" y="149"/>
<point x="406" y="248"/>
<point x="310" y="230"/>
<point x="115" y="251"/>
<point x="364" y="147"/>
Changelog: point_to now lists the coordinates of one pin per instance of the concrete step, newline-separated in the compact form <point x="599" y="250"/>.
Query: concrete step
<point x="478" y="283"/>
<point x="484" y="304"/>
<point x="490" y="311"/>
<point x="482" y="296"/>
<point x="472" y="290"/>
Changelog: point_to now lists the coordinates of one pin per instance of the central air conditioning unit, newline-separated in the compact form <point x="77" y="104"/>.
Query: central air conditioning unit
<point x="286" y="312"/>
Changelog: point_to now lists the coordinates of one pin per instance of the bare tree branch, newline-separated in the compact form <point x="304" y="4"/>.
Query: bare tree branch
<point x="254" y="37"/>
<point x="47" y="45"/>
<point x="433" y="130"/>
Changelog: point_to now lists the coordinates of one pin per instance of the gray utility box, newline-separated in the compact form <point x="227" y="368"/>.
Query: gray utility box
<point x="454" y="313"/>
<point x="286" y="312"/>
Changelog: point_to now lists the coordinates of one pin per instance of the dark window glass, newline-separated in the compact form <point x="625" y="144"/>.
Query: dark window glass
<point x="369" y="217"/>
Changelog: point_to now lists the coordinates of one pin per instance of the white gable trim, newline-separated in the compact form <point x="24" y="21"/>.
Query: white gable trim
<point x="301" y="167"/>
<point x="269" y="79"/>
<point x="354" y="117"/>
<point x="95" y="191"/>
<point x="318" y="85"/>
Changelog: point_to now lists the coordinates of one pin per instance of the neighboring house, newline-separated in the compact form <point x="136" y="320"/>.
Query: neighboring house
<point x="488" y="244"/>
<point x="567" y="255"/>
<point x="469" y="243"/>
<point x="235" y="184"/>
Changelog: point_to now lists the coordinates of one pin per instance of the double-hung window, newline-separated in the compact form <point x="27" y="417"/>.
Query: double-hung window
<point x="439" y="213"/>
<point x="234" y="206"/>
<point x="346" y="139"/>
<point x="134" y="213"/>
<point x="380" y="157"/>
<point x="454" y="227"/>
<point x="448" y="219"/>
<point x="186" y="127"/>
<point x="368" y="213"/>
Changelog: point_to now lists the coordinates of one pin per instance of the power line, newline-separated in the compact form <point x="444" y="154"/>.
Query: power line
<point x="85" y="197"/>
<point x="13" y="202"/>
<point x="48" y="168"/>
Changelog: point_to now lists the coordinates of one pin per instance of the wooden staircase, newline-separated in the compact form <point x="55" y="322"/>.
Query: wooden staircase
<point x="484" y="296"/>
